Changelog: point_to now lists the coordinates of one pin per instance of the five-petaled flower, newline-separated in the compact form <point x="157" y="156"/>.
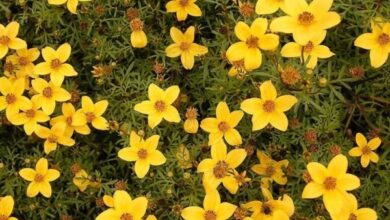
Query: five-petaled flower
<point x="12" y="99"/>
<point x="8" y="39"/>
<point x="185" y="47"/>
<point x="159" y="106"/>
<point x="74" y="120"/>
<point x="40" y="178"/>
<point x="269" y="108"/>
<point x="54" y="136"/>
<point x="70" y="4"/>
<point x="270" y="168"/>
<point x="365" y="150"/>
<point x="93" y="112"/>
<point x="352" y="212"/>
<point x="143" y="152"/>
<point x="183" y="8"/>
<point x="24" y="58"/>
<point x="7" y="206"/>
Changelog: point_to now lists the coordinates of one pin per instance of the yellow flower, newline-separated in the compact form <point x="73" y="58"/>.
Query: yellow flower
<point x="185" y="47"/>
<point x="378" y="42"/>
<point x="8" y="39"/>
<point x="311" y="50"/>
<point x="159" y="106"/>
<point x="365" y="150"/>
<point x="212" y="209"/>
<point x="269" y="108"/>
<point x="238" y="67"/>
<point x="151" y="217"/>
<point x="70" y="4"/>
<point x="40" y="178"/>
<point x="270" y="168"/>
<point x="351" y="211"/>
<point x="74" y="120"/>
<point x="125" y="207"/>
<point x="48" y="95"/>
<point x="108" y="201"/>
<point x="223" y="126"/>
<point x="7" y="206"/>
<point x="30" y="118"/>
<point x="191" y="124"/>
<point x="220" y="167"/>
<point x="82" y="180"/>
<point x="54" y="136"/>
<point x="183" y="8"/>
<point x="138" y="37"/>
<point x="331" y="183"/>
<point x="12" y="99"/>
<point x="93" y="112"/>
<point x="55" y="64"/>
<point x="264" y="7"/>
<point x="271" y="209"/>
<point x="24" y="58"/>
<point x="253" y="39"/>
<point x="304" y="20"/>
<point x="143" y="152"/>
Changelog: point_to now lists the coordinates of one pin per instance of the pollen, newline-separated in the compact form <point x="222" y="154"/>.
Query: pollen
<point x="142" y="154"/>
<point x="90" y="116"/>
<point x="269" y="106"/>
<point x="183" y="3"/>
<point x="383" y="39"/>
<point x="308" y="47"/>
<point x="223" y="126"/>
<point x="47" y="92"/>
<point x="266" y="209"/>
<point x="184" y="46"/>
<point x="30" y="113"/>
<point x="306" y="18"/>
<point x="366" y="150"/>
<point x="126" y="216"/>
<point x="252" y="42"/>
<point x="39" y="178"/>
<point x="270" y="170"/>
<point x="221" y="169"/>
<point x="23" y="61"/>
<point x="10" y="98"/>
<point x="55" y="63"/>
<point x="9" y="67"/>
<point x="247" y="9"/>
<point x="352" y="217"/>
<point x="159" y="106"/>
<point x="290" y="76"/>
<point x="4" y="40"/>
<point x="191" y="113"/>
<point x="136" y="24"/>
<point x="210" y="215"/>
<point x="69" y="121"/>
<point x="52" y="139"/>
<point x="330" y="183"/>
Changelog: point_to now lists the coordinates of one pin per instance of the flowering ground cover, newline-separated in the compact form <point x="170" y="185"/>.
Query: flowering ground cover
<point x="194" y="110"/>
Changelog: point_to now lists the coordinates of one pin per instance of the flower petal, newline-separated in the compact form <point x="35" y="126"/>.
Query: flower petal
<point x="278" y="120"/>
<point x="285" y="102"/>
<point x="242" y="31"/>
<point x="156" y="158"/>
<point x="192" y="213"/>
<point x="141" y="168"/>
<point x="268" y="42"/>
<point x="317" y="172"/>
<point x="374" y="143"/>
<point x="233" y="137"/>
<point x="237" y="51"/>
<point x="235" y="157"/>
<point x="348" y="182"/>
<point x="337" y="167"/>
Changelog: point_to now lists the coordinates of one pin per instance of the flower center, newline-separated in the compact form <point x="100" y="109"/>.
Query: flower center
<point x="308" y="47"/>
<point x="52" y="139"/>
<point x="220" y="170"/>
<point x="90" y="116"/>
<point x="47" y="92"/>
<point x="9" y="67"/>
<point x="142" y="154"/>
<point x="366" y="150"/>
<point x="126" y="216"/>
<point x="159" y="106"/>
<point x="266" y="209"/>
<point x="270" y="170"/>
<point x="184" y="46"/>
<point x="55" y="63"/>
<point x="383" y="39"/>
<point x="4" y="40"/>
<point x="223" y="126"/>
<point x="269" y="106"/>
<point x="3" y="217"/>
<point x="352" y="217"/>
<point x="10" y="98"/>
<point x="30" y="113"/>
<point x="210" y="215"/>
<point x="23" y="61"/>
<point x="306" y="18"/>
<point x="183" y="3"/>
<point x="136" y="24"/>
<point x="330" y="183"/>
<point x="252" y="41"/>
<point x="39" y="178"/>
<point x="69" y="121"/>
<point x="191" y="113"/>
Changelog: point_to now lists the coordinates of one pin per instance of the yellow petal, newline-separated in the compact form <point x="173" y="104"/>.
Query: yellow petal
<point x="145" y="107"/>
<point x="205" y="165"/>
<point x="32" y="189"/>
<point x="374" y="143"/>
<point x="374" y="157"/>
<point x="334" y="200"/>
<point x="171" y="114"/>
<point x="260" y="120"/>
<point x="233" y="137"/>
<point x="12" y="29"/>
<point x="6" y="206"/>
<point x="191" y="126"/>
<point x="17" y="44"/>
<point x="320" y="6"/>
<point x="57" y="2"/>
<point x="197" y="50"/>
<point x="27" y="174"/>
<point x="264" y="7"/>
<point x="252" y="59"/>
<point x="231" y="184"/>
<point x="218" y="152"/>
<point x="366" y="213"/>
<point x="259" y="27"/>
<point x="138" y="39"/>
<point x="222" y="111"/>
<point x="285" y="24"/>
<point x="128" y="154"/>
<point x="211" y="200"/>
<point x="100" y="107"/>
<point x="285" y="102"/>
<point x="278" y="120"/>
<point x="189" y="34"/>
<point x="234" y="118"/>
<point x="348" y="182"/>
<point x="156" y="158"/>
<point x="187" y="59"/>
<point x="87" y="104"/>
<point x="171" y="94"/>
<point x="64" y="51"/>
<point x="209" y="125"/>
<point x="311" y="61"/>
<point x="192" y="213"/>
<point x="141" y="168"/>
<point x="121" y="201"/>
<point x="108" y="201"/>
<point x="108" y="214"/>
<point x="355" y="152"/>
<point x="338" y="166"/>
<point x="181" y="14"/>
<point x="215" y="138"/>
<point x="237" y="51"/>
<point x="176" y="35"/>
<point x="67" y="70"/>
<point x="251" y="106"/>
<point x="242" y="31"/>
<point x="295" y="7"/>
<point x="361" y="141"/>
<point x="173" y="50"/>
<point x="235" y="157"/>
<point x="268" y="91"/>
<point x="330" y="19"/>
<point x="42" y="68"/>
<point x="317" y="172"/>
<point x="154" y="120"/>
<point x="57" y="78"/>
<point x="52" y="175"/>
<point x="193" y="10"/>
<point x="268" y="41"/>
<point x="259" y="169"/>
<point x="138" y="207"/>
<point x="225" y="210"/>
<point x="100" y="123"/>
<point x="41" y="166"/>
<point x="45" y="189"/>
<point x="3" y="50"/>
<point x="172" y="6"/>
<point x="322" y="52"/>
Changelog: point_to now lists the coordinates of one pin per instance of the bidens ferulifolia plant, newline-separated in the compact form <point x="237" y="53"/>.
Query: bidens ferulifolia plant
<point x="194" y="110"/>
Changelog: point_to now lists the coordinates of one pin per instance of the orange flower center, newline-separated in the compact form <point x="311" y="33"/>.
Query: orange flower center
<point x="210" y="215"/>
<point x="366" y="150"/>
<point x="220" y="170"/>
<point x="183" y="3"/>
<point x="10" y="98"/>
<point x="90" y="116"/>
<point x="308" y="47"/>
<point x="23" y="61"/>
<point x="184" y="46"/>
<point x="269" y="106"/>
<point x="383" y="39"/>
<point x="3" y="217"/>
<point x="223" y="126"/>
<point x="126" y="216"/>
<point x="30" y="113"/>
<point x="159" y="106"/>
<point x="330" y="183"/>
<point x="9" y="67"/>
<point x="136" y="24"/>
<point x="4" y="40"/>
<point x="47" y="92"/>
<point x="266" y="209"/>
<point x="252" y="41"/>
<point x="270" y="170"/>
<point x="55" y="63"/>
<point x="39" y="178"/>
<point x="142" y="154"/>
<point x="69" y="121"/>
<point x="191" y="113"/>
<point x="352" y="217"/>
<point x="306" y="18"/>
<point x="52" y="139"/>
